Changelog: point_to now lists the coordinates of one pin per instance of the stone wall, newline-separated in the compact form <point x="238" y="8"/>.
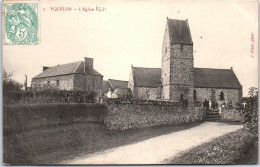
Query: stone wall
<point x="128" y="116"/>
<point x="232" y="114"/>
<point x="70" y="82"/>
<point x="147" y="93"/>
<point x="98" y="84"/>
<point x="233" y="95"/>
<point x="65" y="82"/>
<point x="80" y="82"/>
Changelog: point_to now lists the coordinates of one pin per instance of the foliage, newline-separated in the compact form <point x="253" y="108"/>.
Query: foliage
<point x="250" y="111"/>
<point x="9" y="84"/>
<point x="140" y="101"/>
<point x="49" y="96"/>
<point x="223" y="150"/>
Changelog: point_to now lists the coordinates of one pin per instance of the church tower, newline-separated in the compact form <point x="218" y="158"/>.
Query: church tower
<point x="177" y="62"/>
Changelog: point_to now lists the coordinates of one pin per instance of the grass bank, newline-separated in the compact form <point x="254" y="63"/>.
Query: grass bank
<point x="231" y="148"/>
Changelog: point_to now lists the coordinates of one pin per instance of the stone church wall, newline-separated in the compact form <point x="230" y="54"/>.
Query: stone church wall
<point x="147" y="93"/>
<point x="233" y="95"/>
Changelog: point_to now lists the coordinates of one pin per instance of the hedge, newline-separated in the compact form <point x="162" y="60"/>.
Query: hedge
<point x="27" y="117"/>
<point x="49" y="96"/>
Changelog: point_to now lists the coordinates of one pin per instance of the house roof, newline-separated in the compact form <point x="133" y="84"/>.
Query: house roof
<point x="147" y="77"/>
<point x="64" y="69"/>
<point x="179" y="31"/>
<point x="215" y="78"/>
<point x="203" y="77"/>
<point x="106" y="86"/>
<point x="118" y="84"/>
<point x="121" y="91"/>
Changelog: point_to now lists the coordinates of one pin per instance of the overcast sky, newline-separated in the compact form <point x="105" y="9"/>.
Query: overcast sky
<point x="132" y="33"/>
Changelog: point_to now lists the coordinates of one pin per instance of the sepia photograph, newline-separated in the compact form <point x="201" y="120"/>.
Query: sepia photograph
<point x="135" y="82"/>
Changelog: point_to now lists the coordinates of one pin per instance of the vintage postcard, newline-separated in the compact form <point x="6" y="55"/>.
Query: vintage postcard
<point x="89" y="82"/>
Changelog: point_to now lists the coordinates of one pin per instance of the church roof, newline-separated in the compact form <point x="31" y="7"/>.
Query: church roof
<point x="147" y="77"/>
<point x="64" y="69"/>
<point x="215" y="78"/>
<point x="179" y="31"/>
<point x="203" y="77"/>
<point x="118" y="84"/>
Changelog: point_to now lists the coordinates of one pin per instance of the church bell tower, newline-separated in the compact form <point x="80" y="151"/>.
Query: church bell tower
<point x="177" y="62"/>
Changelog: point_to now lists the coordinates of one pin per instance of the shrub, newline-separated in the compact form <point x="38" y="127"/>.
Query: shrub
<point x="250" y="111"/>
<point x="49" y="96"/>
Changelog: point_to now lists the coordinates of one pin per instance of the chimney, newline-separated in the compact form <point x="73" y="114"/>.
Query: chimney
<point x="231" y="68"/>
<point x="88" y="65"/>
<point x="44" y="68"/>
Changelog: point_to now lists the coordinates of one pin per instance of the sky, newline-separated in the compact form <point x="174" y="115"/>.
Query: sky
<point x="131" y="32"/>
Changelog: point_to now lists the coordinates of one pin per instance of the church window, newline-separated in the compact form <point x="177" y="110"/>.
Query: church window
<point x="58" y="83"/>
<point x="221" y="96"/>
<point x="195" y="95"/>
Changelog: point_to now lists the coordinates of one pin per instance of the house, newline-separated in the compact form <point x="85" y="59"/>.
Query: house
<point x="178" y="79"/>
<point x="78" y="75"/>
<point x="117" y="88"/>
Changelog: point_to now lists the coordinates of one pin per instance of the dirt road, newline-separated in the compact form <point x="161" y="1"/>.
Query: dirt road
<point x="157" y="150"/>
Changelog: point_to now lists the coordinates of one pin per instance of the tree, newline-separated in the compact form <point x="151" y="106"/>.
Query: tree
<point x="251" y="111"/>
<point x="7" y="75"/>
<point x="9" y="84"/>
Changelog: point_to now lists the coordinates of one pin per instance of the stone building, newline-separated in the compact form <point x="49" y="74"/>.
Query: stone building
<point x="117" y="88"/>
<point x="78" y="75"/>
<point x="178" y="79"/>
<point x="145" y="83"/>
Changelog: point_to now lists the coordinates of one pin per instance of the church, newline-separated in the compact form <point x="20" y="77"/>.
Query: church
<point x="178" y="79"/>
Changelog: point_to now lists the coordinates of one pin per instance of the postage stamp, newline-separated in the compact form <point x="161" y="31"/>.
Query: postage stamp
<point x="21" y="24"/>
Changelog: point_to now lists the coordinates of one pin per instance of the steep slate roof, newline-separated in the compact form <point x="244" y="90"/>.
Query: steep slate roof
<point x="118" y="84"/>
<point x="147" y="77"/>
<point x="69" y="68"/>
<point x="215" y="78"/>
<point x="203" y="77"/>
<point x="179" y="31"/>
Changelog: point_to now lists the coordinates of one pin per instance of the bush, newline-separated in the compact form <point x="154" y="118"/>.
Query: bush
<point x="49" y="96"/>
<point x="250" y="111"/>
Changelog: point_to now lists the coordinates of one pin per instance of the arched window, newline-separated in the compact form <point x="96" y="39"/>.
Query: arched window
<point x="221" y="96"/>
<point x="181" y="97"/>
<point x="195" y="95"/>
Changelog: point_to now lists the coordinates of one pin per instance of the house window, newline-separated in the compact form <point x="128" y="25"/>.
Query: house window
<point x="221" y="96"/>
<point x="195" y="95"/>
<point x="58" y="83"/>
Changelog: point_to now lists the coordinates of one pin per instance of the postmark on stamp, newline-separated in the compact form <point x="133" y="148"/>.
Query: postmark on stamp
<point x="21" y="23"/>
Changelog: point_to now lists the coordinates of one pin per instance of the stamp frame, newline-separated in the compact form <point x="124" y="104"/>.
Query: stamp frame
<point x="39" y="21"/>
